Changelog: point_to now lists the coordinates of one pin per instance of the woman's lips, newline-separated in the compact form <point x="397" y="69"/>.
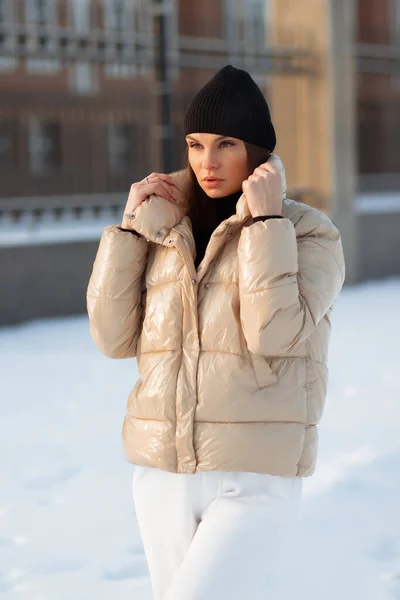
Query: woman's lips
<point x="213" y="183"/>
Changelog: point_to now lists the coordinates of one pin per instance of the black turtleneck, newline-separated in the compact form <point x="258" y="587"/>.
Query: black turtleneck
<point x="225" y="207"/>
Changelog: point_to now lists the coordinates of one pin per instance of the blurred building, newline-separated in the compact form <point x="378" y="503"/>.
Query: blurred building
<point x="92" y="100"/>
<point x="79" y="106"/>
<point x="377" y="203"/>
<point x="74" y="95"/>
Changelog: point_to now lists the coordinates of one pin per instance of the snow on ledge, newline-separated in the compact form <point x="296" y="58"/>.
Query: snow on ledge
<point x="80" y="231"/>
<point x="377" y="202"/>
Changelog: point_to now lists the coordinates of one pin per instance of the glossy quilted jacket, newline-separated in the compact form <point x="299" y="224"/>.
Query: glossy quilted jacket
<point x="232" y="358"/>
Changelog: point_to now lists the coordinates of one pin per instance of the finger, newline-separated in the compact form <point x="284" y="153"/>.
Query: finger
<point x="160" y="189"/>
<point x="168" y="189"/>
<point x="147" y="180"/>
<point x="268" y="167"/>
<point x="164" y="177"/>
<point x="255" y="177"/>
<point x="157" y="179"/>
<point x="261" y="172"/>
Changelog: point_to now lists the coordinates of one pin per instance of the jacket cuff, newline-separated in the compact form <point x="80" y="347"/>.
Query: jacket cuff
<point x="266" y="251"/>
<point x="154" y="218"/>
<point x="265" y="217"/>
<point x="131" y="231"/>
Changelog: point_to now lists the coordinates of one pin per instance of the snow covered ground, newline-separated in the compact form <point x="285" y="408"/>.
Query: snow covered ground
<point x="67" y="524"/>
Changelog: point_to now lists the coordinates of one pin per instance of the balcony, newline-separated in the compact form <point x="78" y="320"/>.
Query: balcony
<point x="38" y="41"/>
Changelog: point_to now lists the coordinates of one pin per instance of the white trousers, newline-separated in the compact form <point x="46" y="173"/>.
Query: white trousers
<point x="212" y="535"/>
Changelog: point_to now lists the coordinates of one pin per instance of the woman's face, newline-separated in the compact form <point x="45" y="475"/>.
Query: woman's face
<point x="219" y="163"/>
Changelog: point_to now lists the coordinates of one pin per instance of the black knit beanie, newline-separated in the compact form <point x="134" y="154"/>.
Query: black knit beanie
<point x="232" y="104"/>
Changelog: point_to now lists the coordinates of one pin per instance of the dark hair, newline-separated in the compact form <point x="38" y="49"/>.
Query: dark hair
<point x="202" y="207"/>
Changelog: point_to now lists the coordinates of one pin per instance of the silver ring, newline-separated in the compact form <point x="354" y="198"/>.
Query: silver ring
<point x="147" y="179"/>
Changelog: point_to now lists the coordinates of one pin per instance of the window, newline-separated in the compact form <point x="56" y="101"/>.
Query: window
<point x="7" y="64"/>
<point x="120" y="136"/>
<point x="119" y="71"/>
<point x="245" y="20"/>
<point x="7" y="145"/>
<point x="80" y="15"/>
<point x="396" y="40"/>
<point x="118" y="14"/>
<point x="6" y="11"/>
<point x="143" y="16"/>
<point x="232" y="20"/>
<point x="127" y="18"/>
<point x="42" y="66"/>
<point x="45" y="146"/>
<point x="255" y="22"/>
<point x="396" y="21"/>
<point x="42" y="12"/>
<point x="119" y="18"/>
<point x="9" y="61"/>
<point x="378" y="135"/>
<point x="172" y="39"/>
<point x="82" y="78"/>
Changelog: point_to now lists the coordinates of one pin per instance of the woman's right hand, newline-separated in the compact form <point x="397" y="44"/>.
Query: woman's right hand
<point x="159" y="183"/>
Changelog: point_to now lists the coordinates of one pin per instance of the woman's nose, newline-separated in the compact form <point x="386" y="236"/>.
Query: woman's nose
<point x="209" y="161"/>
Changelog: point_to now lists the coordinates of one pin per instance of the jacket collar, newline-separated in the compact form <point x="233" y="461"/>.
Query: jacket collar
<point x="155" y="217"/>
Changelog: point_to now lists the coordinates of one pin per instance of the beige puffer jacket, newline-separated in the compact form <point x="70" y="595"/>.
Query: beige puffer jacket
<point x="232" y="358"/>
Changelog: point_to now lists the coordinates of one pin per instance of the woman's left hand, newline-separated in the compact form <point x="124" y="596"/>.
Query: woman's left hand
<point x="263" y="190"/>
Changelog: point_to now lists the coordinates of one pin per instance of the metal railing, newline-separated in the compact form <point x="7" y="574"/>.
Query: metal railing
<point x="26" y="40"/>
<point x="36" y="212"/>
<point x="63" y="43"/>
<point x="212" y="53"/>
<point x="378" y="58"/>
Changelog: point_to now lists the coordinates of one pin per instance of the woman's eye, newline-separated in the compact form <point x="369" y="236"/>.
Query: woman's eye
<point x="222" y="145"/>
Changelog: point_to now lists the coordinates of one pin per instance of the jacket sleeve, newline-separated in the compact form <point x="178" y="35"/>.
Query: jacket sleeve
<point x="114" y="292"/>
<point x="287" y="283"/>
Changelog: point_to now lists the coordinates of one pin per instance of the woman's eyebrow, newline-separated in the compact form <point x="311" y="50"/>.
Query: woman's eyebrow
<point x="220" y="137"/>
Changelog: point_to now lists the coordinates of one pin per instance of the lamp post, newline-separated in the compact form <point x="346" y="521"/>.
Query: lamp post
<point x="164" y="130"/>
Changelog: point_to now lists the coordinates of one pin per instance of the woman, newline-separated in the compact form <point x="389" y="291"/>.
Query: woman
<point x="223" y="290"/>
